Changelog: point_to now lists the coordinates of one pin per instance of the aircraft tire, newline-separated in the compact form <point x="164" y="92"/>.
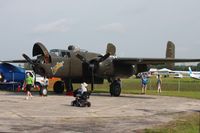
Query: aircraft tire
<point x="73" y="103"/>
<point x="89" y="104"/>
<point x="115" y="89"/>
<point x="43" y="91"/>
<point x="58" y="87"/>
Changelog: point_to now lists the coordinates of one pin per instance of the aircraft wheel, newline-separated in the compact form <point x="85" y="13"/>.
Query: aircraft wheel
<point x="73" y="103"/>
<point x="89" y="104"/>
<point x="58" y="87"/>
<point x="43" y="91"/>
<point x="115" y="89"/>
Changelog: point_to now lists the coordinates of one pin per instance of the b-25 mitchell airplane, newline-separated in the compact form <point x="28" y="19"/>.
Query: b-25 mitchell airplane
<point x="77" y="66"/>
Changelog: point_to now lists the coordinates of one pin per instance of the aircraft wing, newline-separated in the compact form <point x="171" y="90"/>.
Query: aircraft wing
<point x="14" y="61"/>
<point x="151" y="60"/>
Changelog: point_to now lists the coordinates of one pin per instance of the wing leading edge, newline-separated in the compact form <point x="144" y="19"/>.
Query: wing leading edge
<point x="149" y="61"/>
<point x="14" y="61"/>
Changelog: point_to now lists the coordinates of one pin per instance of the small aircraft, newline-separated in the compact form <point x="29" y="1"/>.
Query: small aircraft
<point x="194" y="75"/>
<point x="76" y="66"/>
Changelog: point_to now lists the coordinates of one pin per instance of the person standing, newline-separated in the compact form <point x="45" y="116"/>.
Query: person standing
<point x="29" y="82"/>
<point x="159" y="82"/>
<point x="144" y="82"/>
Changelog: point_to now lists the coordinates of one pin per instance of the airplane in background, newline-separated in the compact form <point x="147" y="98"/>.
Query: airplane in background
<point x="76" y="66"/>
<point x="195" y="75"/>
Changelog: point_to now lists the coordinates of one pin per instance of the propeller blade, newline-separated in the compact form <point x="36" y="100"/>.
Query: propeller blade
<point x="92" y="64"/>
<point x="81" y="58"/>
<point x="104" y="57"/>
<point x="28" y="59"/>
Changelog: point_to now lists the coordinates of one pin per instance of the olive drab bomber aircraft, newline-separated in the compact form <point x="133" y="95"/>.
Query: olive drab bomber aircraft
<point x="76" y="66"/>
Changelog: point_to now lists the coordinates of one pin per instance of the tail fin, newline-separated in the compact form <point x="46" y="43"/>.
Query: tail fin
<point x="170" y="53"/>
<point x="190" y="70"/>
<point x="111" y="49"/>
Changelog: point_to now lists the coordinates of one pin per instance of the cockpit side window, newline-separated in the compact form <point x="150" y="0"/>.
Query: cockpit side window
<point x="63" y="54"/>
<point x="59" y="52"/>
<point x="55" y="52"/>
<point x="68" y="54"/>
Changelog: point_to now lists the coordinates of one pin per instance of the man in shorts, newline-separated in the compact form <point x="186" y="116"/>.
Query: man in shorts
<point x="29" y="82"/>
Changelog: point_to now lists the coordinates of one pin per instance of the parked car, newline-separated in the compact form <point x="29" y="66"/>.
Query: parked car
<point x="178" y="75"/>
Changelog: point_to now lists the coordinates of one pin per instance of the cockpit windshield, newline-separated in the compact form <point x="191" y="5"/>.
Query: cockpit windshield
<point x="60" y="52"/>
<point x="66" y="53"/>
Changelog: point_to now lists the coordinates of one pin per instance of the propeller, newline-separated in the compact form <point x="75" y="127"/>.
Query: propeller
<point x="28" y="59"/>
<point x="81" y="58"/>
<point x="103" y="57"/>
<point x="34" y="64"/>
<point x="93" y="64"/>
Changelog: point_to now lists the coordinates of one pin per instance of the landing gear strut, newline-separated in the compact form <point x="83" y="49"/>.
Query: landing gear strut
<point x="115" y="88"/>
<point x="69" y="87"/>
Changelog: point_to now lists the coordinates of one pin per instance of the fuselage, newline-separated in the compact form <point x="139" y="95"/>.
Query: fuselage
<point x="68" y="66"/>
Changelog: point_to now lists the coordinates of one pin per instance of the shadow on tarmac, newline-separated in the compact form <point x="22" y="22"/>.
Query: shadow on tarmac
<point x="124" y="95"/>
<point x="51" y="93"/>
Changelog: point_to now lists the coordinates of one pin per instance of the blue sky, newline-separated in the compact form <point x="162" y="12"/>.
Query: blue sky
<point x="138" y="28"/>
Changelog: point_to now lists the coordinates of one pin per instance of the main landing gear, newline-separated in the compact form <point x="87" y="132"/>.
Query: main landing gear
<point x="115" y="88"/>
<point x="59" y="87"/>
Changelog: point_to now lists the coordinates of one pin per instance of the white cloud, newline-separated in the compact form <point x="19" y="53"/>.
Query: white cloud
<point x="113" y="27"/>
<point x="62" y="25"/>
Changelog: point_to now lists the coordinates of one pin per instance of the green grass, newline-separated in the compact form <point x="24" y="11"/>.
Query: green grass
<point x="183" y="124"/>
<point x="185" y="87"/>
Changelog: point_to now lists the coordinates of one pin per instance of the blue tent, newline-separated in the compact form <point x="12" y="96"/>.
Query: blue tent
<point x="11" y="74"/>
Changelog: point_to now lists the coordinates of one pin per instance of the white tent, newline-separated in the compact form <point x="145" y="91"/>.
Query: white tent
<point x="165" y="70"/>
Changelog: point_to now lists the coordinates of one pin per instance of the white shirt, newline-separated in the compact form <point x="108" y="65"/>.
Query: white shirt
<point x="83" y="89"/>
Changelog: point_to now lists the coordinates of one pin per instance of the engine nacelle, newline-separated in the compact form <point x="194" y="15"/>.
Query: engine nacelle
<point x="141" y="68"/>
<point x="123" y="70"/>
<point x="108" y="69"/>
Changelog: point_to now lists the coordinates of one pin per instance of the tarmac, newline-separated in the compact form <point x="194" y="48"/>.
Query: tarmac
<point x="54" y="113"/>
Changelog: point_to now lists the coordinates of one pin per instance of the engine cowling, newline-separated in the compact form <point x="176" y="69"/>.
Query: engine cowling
<point x="108" y="69"/>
